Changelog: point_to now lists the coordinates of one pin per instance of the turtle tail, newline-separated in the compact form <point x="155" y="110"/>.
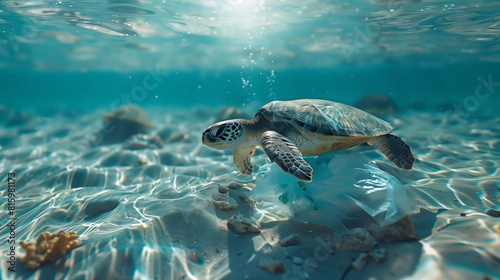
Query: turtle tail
<point x="395" y="149"/>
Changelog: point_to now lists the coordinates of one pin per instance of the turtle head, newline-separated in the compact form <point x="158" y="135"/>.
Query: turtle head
<point x="224" y="135"/>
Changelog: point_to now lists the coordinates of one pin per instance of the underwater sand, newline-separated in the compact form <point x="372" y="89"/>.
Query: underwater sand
<point x="144" y="208"/>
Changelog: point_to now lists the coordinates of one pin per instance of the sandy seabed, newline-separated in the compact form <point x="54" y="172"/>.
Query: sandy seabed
<point x="156" y="206"/>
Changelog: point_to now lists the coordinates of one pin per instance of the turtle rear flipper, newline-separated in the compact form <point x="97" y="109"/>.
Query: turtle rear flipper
<point x="395" y="149"/>
<point x="285" y="154"/>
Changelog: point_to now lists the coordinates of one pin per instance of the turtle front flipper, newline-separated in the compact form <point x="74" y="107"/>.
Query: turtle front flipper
<point x="395" y="149"/>
<point x="242" y="158"/>
<point x="285" y="154"/>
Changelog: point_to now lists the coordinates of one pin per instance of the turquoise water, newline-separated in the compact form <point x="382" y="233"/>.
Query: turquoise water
<point x="156" y="204"/>
<point x="90" y="53"/>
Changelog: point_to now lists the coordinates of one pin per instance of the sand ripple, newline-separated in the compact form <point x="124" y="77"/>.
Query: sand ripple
<point x="147" y="212"/>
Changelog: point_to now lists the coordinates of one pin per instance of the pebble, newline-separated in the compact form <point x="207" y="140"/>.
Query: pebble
<point x="242" y="225"/>
<point x="235" y="186"/>
<point x="272" y="266"/>
<point x="493" y="213"/>
<point x="290" y="240"/>
<point x="223" y="189"/>
<point x="221" y="195"/>
<point x="247" y="199"/>
<point x="224" y="202"/>
<point x="194" y="257"/>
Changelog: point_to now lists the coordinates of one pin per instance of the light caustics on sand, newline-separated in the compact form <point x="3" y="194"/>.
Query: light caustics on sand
<point x="156" y="204"/>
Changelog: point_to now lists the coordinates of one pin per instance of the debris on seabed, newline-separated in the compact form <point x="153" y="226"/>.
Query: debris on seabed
<point x="272" y="266"/>
<point x="290" y="240"/>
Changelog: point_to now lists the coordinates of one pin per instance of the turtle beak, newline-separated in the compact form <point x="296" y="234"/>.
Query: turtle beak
<point x="204" y="137"/>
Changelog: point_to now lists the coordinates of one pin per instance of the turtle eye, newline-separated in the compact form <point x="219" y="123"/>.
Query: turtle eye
<point x="217" y="131"/>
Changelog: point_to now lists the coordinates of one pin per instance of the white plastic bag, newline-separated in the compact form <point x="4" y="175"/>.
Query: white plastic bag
<point x="347" y="191"/>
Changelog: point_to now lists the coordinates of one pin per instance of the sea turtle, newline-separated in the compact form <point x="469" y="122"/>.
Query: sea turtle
<point x="286" y="130"/>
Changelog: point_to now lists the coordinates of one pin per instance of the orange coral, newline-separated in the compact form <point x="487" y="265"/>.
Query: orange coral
<point x="49" y="247"/>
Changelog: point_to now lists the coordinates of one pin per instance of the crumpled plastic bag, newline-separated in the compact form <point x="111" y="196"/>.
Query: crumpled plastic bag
<point x="348" y="190"/>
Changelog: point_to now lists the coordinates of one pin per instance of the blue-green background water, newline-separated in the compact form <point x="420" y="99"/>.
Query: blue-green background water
<point x="406" y="85"/>
<point x="65" y="54"/>
<point x="144" y="204"/>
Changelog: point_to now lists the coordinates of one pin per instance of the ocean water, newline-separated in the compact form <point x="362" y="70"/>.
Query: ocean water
<point x="148" y="205"/>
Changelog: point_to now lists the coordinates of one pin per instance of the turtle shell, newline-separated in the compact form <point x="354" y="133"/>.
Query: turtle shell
<point x="325" y="117"/>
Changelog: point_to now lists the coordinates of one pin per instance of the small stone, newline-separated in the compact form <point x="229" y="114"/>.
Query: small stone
<point x="290" y="240"/>
<point x="140" y="162"/>
<point x="235" y="186"/>
<point x="360" y="261"/>
<point x="272" y="266"/>
<point x="224" y="202"/>
<point x="493" y="213"/>
<point x="298" y="260"/>
<point x="223" y="189"/>
<point x="194" y="257"/>
<point x="245" y="197"/>
<point x="228" y="205"/>
<point x="241" y="225"/>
